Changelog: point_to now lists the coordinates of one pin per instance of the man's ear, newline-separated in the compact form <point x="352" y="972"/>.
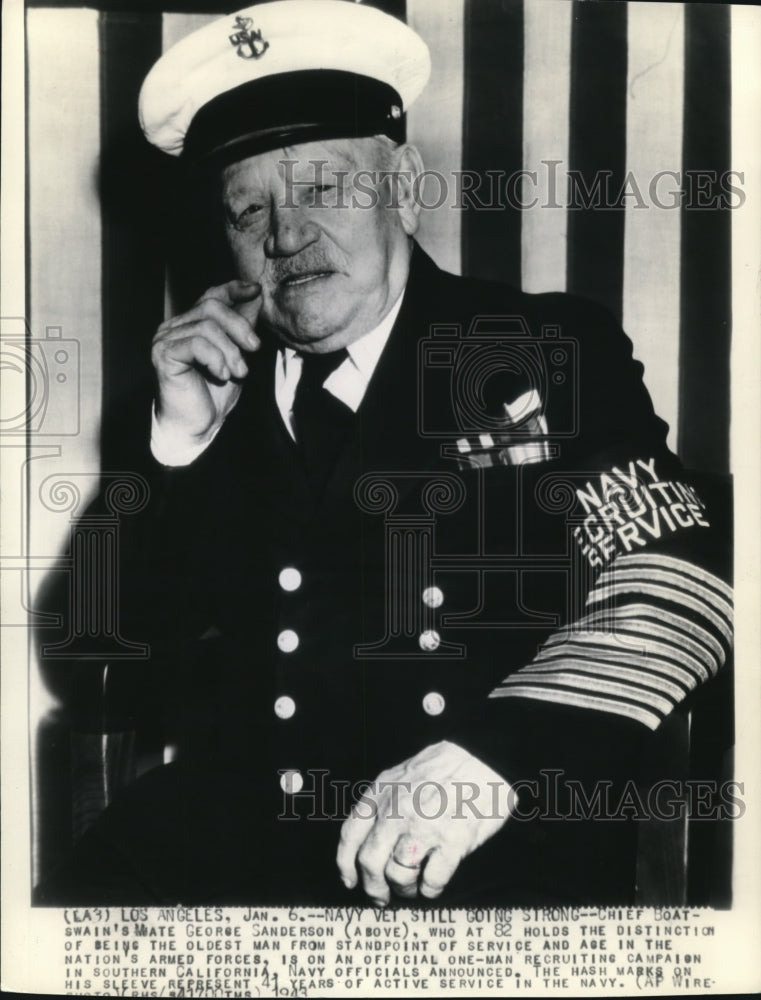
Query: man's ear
<point x="410" y="167"/>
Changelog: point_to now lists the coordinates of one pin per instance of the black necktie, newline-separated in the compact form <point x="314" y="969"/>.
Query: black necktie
<point x="321" y="421"/>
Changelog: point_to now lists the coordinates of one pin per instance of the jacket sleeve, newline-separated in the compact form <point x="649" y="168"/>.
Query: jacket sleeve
<point x="147" y="581"/>
<point x="654" y="618"/>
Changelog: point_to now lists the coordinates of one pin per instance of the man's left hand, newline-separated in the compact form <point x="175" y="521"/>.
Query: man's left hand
<point x="410" y="830"/>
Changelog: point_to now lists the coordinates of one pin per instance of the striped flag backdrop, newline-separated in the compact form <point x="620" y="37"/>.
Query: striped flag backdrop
<point x="527" y="97"/>
<point x="613" y="93"/>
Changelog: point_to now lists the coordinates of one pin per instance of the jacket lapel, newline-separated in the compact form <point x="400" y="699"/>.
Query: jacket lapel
<point x="386" y="436"/>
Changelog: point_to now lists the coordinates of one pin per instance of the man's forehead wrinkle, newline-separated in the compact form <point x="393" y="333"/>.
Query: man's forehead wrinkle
<point x="243" y="179"/>
<point x="345" y="150"/>
<point x="337" y="152"/>
<point x="236" y="187"/>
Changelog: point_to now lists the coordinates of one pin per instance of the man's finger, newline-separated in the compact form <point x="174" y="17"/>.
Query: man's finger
<point x="244" y="299"/>
<point x="234" y="326"/>
<point x="403" y="881"/>
<point x="210" y="330"/>
<point x="439" y="868"/>
<point x="354" y="830"/>
<point x="373" y="857"/>
<point x="192" y="350"/>
<point x="233" y="292"/>
<point x="410" y="850"/>
<point x="403" y="867"/>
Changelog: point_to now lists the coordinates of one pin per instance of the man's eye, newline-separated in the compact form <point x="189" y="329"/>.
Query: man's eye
<point x="248" y="214"/>
<point x="321" y="194"/>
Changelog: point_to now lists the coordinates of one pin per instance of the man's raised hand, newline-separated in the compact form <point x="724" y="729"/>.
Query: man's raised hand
<point x="408" y="833"/>
<point x="199" y="362"/>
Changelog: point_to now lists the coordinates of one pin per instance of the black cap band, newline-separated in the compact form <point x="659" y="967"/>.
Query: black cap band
<point x="289" y="108"/>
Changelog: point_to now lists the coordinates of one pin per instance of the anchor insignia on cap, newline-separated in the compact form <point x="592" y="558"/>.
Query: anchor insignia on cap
<point x="250" y="43"/>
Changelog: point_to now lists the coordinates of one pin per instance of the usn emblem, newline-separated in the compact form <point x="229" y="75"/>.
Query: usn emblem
<point x="250" y="43"/>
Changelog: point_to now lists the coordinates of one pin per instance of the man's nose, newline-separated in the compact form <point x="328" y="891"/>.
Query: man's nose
<point x="290" y="231"/>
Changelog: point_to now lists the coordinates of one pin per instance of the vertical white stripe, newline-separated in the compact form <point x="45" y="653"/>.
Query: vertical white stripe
<point x="17" y="959"/>
<point x="434" y="124"/>
<point x="64" y="270"/>
<point x="655" y="93"/>
<point x="64" y="224"/>
<point x="746" y="447"/>
<point x="546" y="100"/>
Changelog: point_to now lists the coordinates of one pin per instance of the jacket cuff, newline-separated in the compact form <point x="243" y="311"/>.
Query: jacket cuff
<point x="174" y="450"/>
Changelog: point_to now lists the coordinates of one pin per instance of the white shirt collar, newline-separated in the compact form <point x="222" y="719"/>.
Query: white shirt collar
<point x="366" y="351"/>
<point x="349" y="381"/>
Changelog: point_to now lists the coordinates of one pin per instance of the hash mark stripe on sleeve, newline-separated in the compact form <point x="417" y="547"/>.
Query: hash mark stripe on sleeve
<point x="667" y="578"/>
<point x="614" y="644"/>
<point x="647" y="618"/>
<point x="647" y="679"/>
<point x="579" y="700"/>
<point x="664" y="593"/>
<point x="596" y="685"/>
<point x="645" y="621"/>
<point x="689" y="569"/>
<point x="653" y="653"/>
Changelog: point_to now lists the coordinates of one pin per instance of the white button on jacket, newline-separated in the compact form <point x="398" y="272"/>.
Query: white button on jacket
<point x="429" y="640"/>
<point x="285" y="706"/>
<point x="289" y="578"/>
<point x="287" y="641"/>
<point x="291" y="782"/>
<point x="433" y="597"/>
<point x="434" y="703"/>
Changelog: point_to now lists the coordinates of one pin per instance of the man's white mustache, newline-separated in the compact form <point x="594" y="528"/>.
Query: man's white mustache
<point x="284" y="268"/>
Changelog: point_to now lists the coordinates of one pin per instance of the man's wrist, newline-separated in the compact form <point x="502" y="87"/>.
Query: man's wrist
<point x="171" y="446"/>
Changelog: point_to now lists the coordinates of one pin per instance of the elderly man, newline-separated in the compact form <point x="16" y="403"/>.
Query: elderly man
<point x="431" y="568"/>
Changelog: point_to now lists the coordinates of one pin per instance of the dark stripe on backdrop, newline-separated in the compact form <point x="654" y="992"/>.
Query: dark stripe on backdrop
<point x="397" y="8"/>
<point x="133" y="232"/>
<point x="597" y="150"/>
<point x="492" y="134"/>
<point x="706" y="265"/>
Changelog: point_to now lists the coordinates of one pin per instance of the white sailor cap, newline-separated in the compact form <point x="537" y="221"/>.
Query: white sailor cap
<point x="282" y="73"/>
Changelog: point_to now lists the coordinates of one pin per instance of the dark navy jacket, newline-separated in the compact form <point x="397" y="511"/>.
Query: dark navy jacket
<point x="506" y="556"/>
